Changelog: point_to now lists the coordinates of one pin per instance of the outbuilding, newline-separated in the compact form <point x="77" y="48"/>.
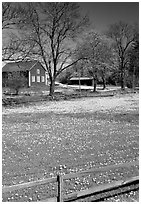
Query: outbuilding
<point x="86" y="81"/>
<point x="35" y="74"/>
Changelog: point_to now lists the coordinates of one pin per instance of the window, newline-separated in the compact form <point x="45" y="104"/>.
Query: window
<point x="38" y="78"/>
<point x="38" y="71"/>
<point x="33" y="78"/>
<point x="43" y="79"/>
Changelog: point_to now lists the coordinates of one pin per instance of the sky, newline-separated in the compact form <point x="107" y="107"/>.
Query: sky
<point x="103" y="14"/>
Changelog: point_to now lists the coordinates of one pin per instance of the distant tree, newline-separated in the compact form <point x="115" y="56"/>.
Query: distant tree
<point x="104" y="72"/>
<point x="123" y="36"/>
<point x="107" y="62"/>
<point x="50" y="28"/>
<point x="65" y="76"/>
<point x="13" y="48"/>
<point x="133" y="65"/>
<point x="80" y="69"/>
<point x="96" y="52"/>
<point x="114" y="77"/>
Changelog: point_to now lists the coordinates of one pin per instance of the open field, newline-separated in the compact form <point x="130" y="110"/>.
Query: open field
<point x="69" y="136"/>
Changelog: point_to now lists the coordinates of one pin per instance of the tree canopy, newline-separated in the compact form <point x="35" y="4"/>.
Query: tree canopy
<point x="95" y="50"/>
<point x="50" y="32"/>
<point x="123" y="37"/>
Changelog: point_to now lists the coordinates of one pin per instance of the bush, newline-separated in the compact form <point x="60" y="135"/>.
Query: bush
<point x="129" y="85"/>
<point x="16" y="81"/>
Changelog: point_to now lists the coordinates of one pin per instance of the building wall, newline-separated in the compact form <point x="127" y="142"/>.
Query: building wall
<point x="4" y="79"/>
<point x="37" y="75"/>
<point x="88" y="82"/>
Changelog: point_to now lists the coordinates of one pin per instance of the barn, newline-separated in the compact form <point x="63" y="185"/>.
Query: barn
<point x="35" y="74"/>
<point x="87" y="81"/>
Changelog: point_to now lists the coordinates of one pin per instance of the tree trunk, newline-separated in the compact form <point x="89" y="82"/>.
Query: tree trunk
<point x="133" y="82"/>
<point x="122" y="81"/>
<point x="133" y="79"/>
<point x="95" y="84"/>
<point x="52" y="88"/>
<point x="79" y="86"/>
<point x="104" y="82"/>
<point x="122" y="77"/>
<point x="17" y="92"/>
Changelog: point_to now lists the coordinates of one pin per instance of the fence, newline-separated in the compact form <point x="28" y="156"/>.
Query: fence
<point x="59" y="179"/>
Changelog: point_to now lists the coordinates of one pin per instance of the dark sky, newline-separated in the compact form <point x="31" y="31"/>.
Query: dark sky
<point x="104" y="13"/>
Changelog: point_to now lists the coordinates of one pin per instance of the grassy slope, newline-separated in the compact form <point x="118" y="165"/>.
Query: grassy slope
<point x="38" y="145"/>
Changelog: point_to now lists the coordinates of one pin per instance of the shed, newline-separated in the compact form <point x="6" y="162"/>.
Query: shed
<point x="86" y="81"/>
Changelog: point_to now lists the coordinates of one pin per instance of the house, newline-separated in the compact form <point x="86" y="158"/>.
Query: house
<point x="35" y="74"/>
<point x="87" y="81"/>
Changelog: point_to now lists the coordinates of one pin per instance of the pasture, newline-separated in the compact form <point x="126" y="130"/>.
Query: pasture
<point x="45" y="138"/>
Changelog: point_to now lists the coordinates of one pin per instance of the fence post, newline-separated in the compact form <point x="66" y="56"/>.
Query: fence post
<point x="60" y="188"/>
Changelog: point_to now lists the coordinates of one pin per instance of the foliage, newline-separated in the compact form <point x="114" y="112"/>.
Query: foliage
<point x="123" y="37"/>
<point x="65" y="76"/>
<point x="133" y="65"/>
<point x="16" y="81"/>
<point x="114" y="78"/>
<point x="98" y="55"/>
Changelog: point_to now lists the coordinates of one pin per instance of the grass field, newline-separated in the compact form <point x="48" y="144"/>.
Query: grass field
<point x="69" y="136"/>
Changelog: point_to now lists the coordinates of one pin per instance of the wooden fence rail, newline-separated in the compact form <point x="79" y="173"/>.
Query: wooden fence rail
<point x="28" y="185"/>
<point x="60" y="178"/>
<point x="101" y="188"/>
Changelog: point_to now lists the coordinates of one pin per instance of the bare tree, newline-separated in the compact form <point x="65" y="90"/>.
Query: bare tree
<point x="107" y="62"/>
<point x="97" y="54"/>
<point x="11" y="14"/>
<point x="122" y="35"/>
<point x="133" y="65"/>
<point x="13" y="48"/>
<point x="50" y="30"/>
<point x="8" y="15"/>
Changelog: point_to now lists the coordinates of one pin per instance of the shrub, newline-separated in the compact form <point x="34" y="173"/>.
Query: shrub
<point x="16" y="81"/>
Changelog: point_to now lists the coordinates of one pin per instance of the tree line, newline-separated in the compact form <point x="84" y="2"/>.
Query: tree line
<point x="61" y="38"/>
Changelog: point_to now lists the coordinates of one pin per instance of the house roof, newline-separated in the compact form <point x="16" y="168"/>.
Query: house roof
<point x="20" y="66"/>
<point x="81" y="78"/>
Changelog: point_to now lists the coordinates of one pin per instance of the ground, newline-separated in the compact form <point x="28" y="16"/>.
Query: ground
<point x="44" y="138"/>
